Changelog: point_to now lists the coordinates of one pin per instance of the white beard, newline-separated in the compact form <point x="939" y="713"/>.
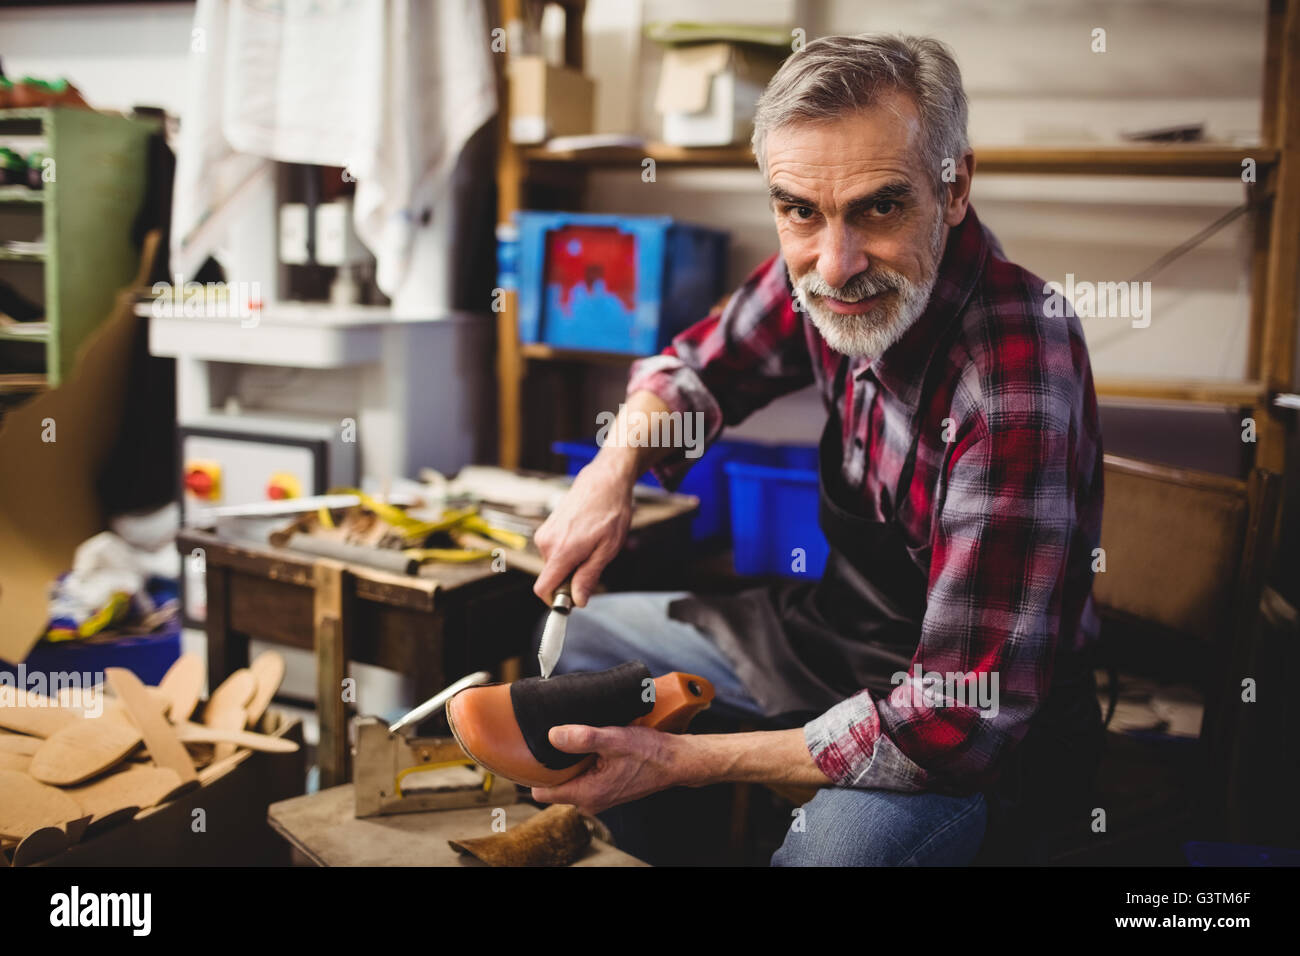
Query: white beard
<point x="869" y="334"/>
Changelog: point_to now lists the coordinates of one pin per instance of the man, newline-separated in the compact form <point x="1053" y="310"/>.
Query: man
<point x="938" y="668"/>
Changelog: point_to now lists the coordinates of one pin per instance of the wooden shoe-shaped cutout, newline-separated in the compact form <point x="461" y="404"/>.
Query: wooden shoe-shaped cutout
<point x="182" y="685"/>
<point x="83" y="750"/>
<point x="483" y="721"/>
<point x="26" y="805"/>
<point x="225" y="709"/>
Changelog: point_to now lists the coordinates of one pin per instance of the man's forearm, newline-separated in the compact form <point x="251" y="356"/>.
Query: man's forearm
<point x="767" y="756"/>
<point x="628" y="463"/>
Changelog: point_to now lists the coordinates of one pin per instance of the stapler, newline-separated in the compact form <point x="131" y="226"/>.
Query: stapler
<point x="397" y="773"/>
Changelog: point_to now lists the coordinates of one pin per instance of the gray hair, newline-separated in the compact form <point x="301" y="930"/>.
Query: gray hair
<point x="834" y="76"/>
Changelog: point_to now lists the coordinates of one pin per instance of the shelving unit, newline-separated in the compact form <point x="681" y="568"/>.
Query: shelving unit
<point x="1276" y="225"/>
<point x="85" y="212"/>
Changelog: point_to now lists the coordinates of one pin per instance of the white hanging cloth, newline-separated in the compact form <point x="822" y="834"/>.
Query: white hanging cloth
<point x="390" y="89"/>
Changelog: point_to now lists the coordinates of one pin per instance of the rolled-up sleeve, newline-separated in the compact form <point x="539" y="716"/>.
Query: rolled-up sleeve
<point x="1000" y="545"/>
<point x="731" y="363"/>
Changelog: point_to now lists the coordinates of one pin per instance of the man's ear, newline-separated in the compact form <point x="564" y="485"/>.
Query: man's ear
<point x="959" y="190"/>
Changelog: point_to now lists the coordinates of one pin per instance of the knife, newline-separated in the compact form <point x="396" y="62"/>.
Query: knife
<point x="557" y="621"/>
<point x="438" y="700"/>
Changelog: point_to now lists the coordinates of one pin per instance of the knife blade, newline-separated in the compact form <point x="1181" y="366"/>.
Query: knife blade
<point x="557" y="622"/>
<point x="438" y="700"/>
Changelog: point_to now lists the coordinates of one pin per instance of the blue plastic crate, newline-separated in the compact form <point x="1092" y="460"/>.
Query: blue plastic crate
<point x="611" y="283"/>
<point x="774" y="526"/>
<point x="147" y="656"/>
<point x="707" y="480"/>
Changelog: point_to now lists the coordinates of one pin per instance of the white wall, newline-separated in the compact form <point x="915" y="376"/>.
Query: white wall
<point x="118" y="55"/>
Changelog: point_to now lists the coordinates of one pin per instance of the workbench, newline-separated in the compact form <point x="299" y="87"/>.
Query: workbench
<point x="324" y="828"/>
<point x="434" y="629"/>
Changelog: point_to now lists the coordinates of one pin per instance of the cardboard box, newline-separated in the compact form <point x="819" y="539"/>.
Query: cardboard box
<point x="233" y="795"/>
<point x="707" y="92"/>
<point x="548" y="101"/>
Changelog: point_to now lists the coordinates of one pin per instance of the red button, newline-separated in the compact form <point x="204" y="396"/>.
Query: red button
<point x="199" y="482"/>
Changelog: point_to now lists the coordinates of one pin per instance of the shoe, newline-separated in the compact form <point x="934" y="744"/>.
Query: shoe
<point x="504" y="727"/>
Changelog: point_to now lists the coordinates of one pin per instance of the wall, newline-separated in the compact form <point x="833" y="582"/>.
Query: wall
<point x="1031" y="77"/>
<point x="119" y="55"/>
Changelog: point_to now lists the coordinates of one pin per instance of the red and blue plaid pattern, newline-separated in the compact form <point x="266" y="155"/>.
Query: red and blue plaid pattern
<point x="1003" y="512"/>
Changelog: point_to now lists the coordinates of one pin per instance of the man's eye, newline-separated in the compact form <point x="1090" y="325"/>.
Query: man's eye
<point x="884" y="207"/>
<point x="803" y="213"/>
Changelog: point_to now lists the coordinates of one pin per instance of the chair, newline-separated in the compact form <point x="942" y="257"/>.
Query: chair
<point x="1186" y="553"/>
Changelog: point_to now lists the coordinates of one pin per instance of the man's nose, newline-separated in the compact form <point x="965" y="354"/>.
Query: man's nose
<point x="840" y="257"/>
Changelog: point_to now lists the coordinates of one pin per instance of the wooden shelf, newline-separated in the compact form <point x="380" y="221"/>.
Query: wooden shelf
<point x="1275" y="297"/>
<point x="21" y="194"/>
<point x="14" y="384"/>
<point x="1191" y="160"/>
<point x="1177" y="159"/>
<point x="1226" y="394"/>
<point x="8" y="255"/>
<point x="544" y="352"/>
<point x="8" y="334"/>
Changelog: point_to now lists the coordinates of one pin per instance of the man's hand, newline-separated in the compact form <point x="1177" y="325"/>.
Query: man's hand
<point x="585" y="532"/>
<point x="634" y="762"/>
<point x="631" y="762"/>
<point x="590" y="526"/>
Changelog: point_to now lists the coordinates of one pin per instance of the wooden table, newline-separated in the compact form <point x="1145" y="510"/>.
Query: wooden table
<point x="323" y="827"/>
<point x="465" y="617"/>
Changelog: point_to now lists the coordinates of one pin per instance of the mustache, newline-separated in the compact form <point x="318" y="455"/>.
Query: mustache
<point x="864" y="285"/>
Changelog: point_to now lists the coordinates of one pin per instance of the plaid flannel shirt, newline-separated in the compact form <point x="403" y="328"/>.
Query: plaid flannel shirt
<point x="1002" y="514"/>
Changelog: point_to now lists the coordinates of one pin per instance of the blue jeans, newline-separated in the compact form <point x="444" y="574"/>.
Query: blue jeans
<point x="839" y="826"/>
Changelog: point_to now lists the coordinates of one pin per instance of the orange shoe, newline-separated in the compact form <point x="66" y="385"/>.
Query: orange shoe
<point x="504" y="727"/>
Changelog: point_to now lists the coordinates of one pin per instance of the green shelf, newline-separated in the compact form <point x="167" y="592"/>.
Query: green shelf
<point x="9" y="335"/>
<point x="8" y="255"/>
<point x="21" y="194"/>
<point x="87" y="213"/>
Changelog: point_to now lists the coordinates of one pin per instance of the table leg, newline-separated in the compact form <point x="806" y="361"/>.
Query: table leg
<point x="429" y="674"/>
<point x="332" y="623"/>
<point x="227" y="649"/>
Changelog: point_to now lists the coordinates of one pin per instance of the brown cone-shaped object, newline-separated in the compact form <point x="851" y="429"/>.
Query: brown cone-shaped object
<point x="557" y="836"/>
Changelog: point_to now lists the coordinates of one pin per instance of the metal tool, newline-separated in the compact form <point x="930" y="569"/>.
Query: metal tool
<point x="438" y="700"/>
<point x="557" y="622"/>
<point x="396" y="773"/>
<point x="384" y="559"/>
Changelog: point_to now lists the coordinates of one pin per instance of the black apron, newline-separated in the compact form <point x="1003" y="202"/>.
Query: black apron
<point x="802" y="647"/>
